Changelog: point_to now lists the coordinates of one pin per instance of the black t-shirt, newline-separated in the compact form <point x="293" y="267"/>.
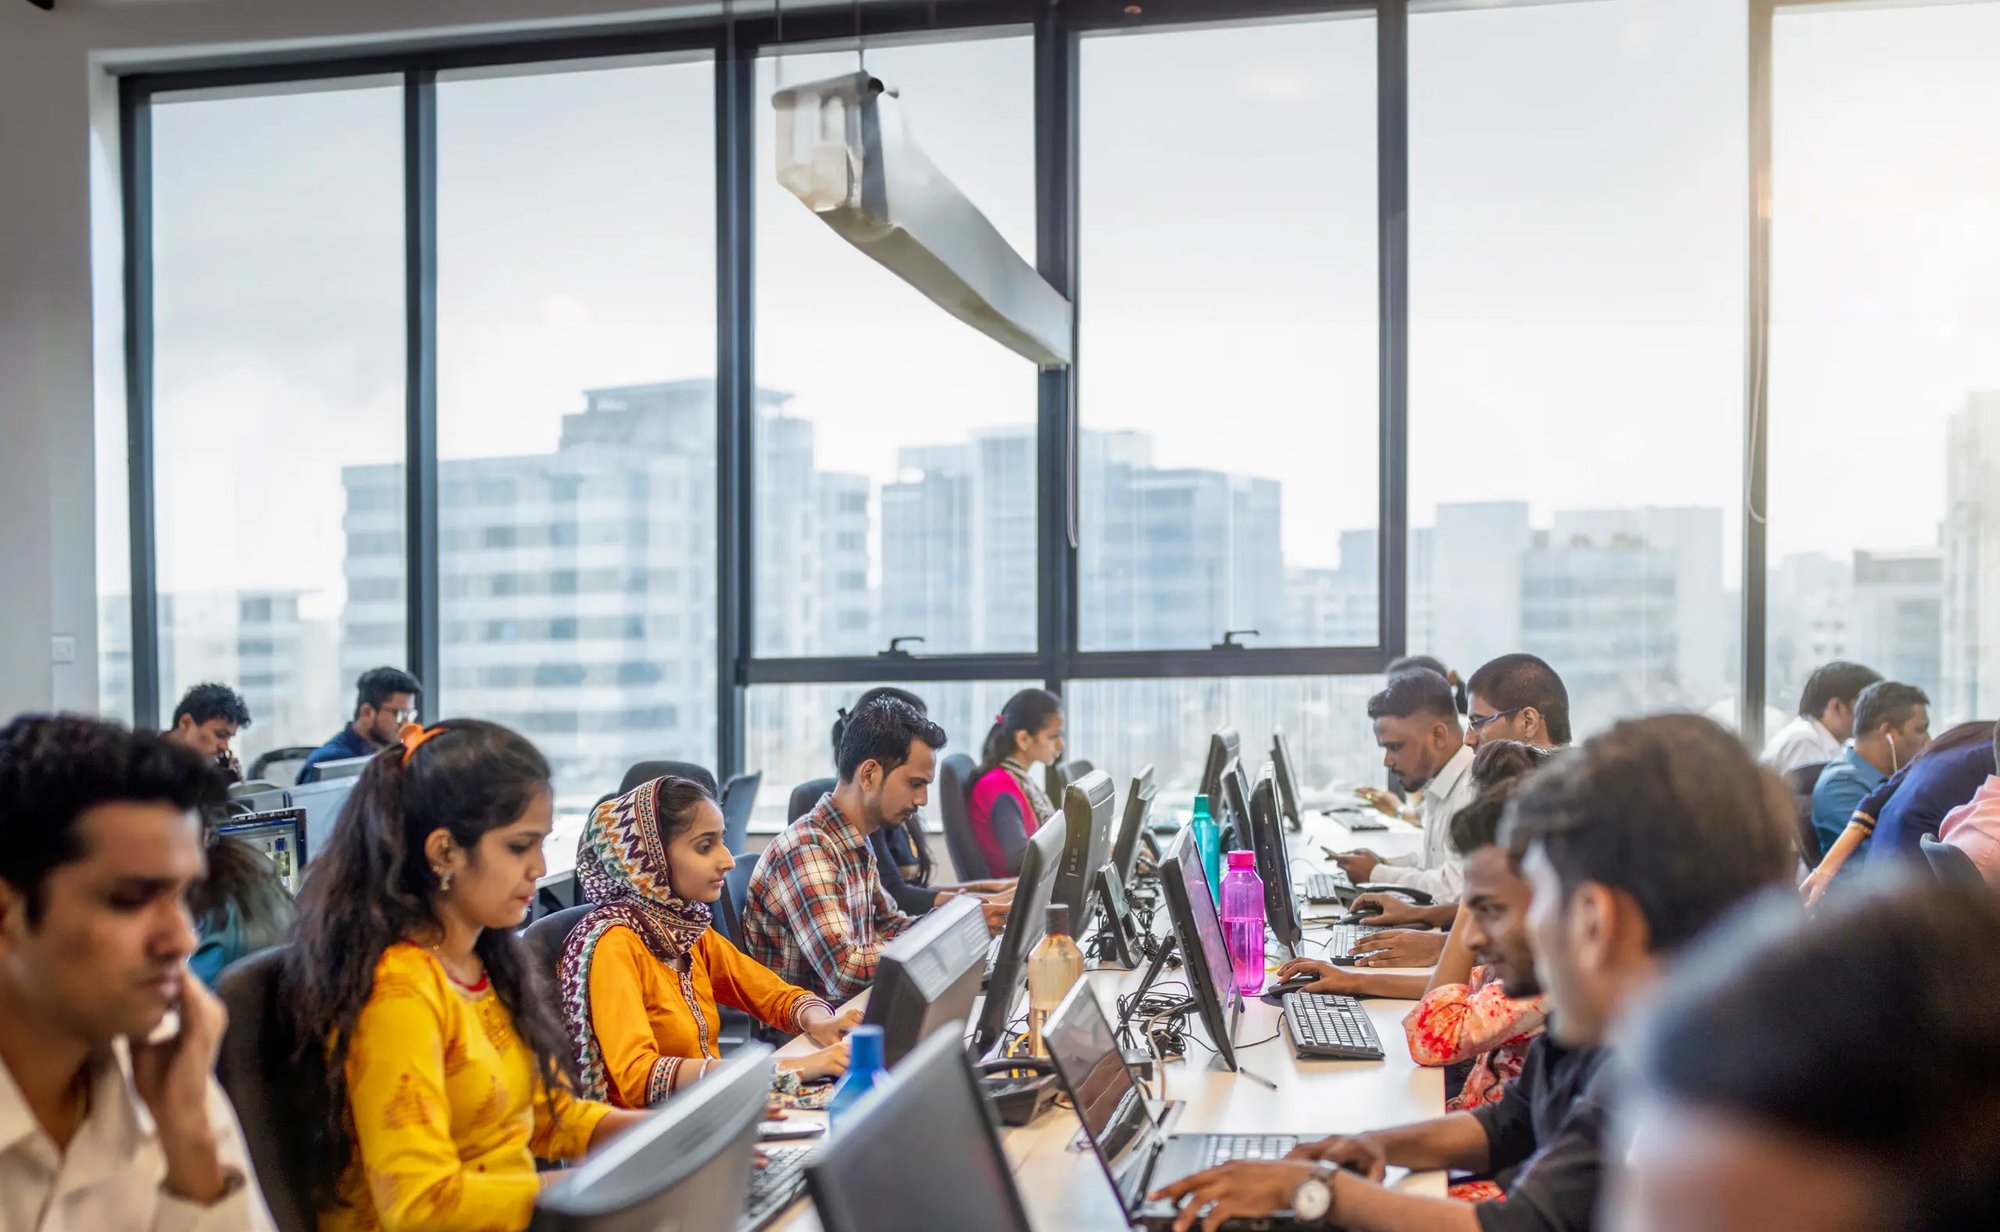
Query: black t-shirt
<point x="1546" y="1136"/>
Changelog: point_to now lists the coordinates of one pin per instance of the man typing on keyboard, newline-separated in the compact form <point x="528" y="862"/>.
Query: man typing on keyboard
<point x="1606" y="912"/>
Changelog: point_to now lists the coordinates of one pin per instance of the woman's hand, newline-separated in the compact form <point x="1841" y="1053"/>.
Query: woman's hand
<point x="828" y="1062"/>
<point x="827" y="1031"/>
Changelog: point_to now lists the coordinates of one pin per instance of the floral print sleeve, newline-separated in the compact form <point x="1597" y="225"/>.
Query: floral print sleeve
<point x="1459" y="1021"/>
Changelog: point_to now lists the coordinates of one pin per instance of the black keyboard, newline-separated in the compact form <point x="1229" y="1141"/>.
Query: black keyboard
<point x="1340" y="938"/>
<point x="1327" y="1025"/>
<point x="1328" y="888"/>
<point x="1363" y="822"/>
<point x="775" y="1186"/>
<point x="1225" y="1148"/>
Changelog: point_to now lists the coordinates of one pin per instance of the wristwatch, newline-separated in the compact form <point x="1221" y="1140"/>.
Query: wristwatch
<point x="1312" y="1201"/>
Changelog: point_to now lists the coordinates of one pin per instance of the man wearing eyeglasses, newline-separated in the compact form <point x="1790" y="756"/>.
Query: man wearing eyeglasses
<point x="1517" y="697"/>
<point x="385" y="698"/>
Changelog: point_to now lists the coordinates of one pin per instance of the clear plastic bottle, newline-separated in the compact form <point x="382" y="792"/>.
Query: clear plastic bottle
<point x="1053" y="969"/>
<point x="1208" y="841"/>
<point x="864" y="1071"/>
<point x="1243" y="921"/>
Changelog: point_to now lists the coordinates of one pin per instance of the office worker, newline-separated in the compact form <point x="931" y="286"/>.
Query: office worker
<point x="1406" y="663"/>
<point x="1606" y="915"/>
<point x="1730" y="1132"/>
<point x="1974" y="827"/>
<point x="817" y="914"/>
<point x="1026" y="736"/>
<point x="644" y="970"/>
<point x="208" y="717"/>
<point x="1892" y="724"/>
<point x="434" y="1066"/>
<point x="1825" y="721"/>
<point x="1416" y="726"/>
<point x="239" y="906"/>
<point x="385" y="698"/>
<point x="1517" y="697"/>
<point x="903" y="853"/>
<point x="1912" y="802"/>
<point x="100" y="1128"/>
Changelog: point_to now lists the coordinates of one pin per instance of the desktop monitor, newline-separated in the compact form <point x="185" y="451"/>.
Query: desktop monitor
<point x="279" y="833"/>
<point x="1204" y="954"/>
<point x="323" y="803"/>
<point x="919" y="1151"/>
<point x="1039" y="865"/>
<point x="1274" y="862"/>
<point x="1236" y="805"/>
<point x="1285" y="775"/>
<point x="345" y="768"/>
<point x="929" y="977"/>
<point x="1224" y="746"/>
<point x="685" y="1166"/>
<point x="1086" y="808"/>
<point x="1132" y="824"/>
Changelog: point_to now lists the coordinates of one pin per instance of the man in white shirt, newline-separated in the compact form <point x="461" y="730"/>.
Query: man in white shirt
<point x="1416" y="724"/>
<point x="1825" y="720"/>
<point x="108" y="1121"/>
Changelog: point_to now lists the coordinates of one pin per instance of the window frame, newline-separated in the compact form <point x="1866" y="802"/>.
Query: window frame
<point x="733" y="48"/>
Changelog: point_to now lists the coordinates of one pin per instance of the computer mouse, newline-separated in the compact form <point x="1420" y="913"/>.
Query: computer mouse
<point x="1276" y="993"/>
<point x="1363" y="912"/>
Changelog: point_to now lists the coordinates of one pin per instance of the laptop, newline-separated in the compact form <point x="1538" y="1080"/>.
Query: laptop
<point x="1127" y="1133"/>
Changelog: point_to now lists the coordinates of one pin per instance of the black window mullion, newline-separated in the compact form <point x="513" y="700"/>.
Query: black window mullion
<point x="1392" y="176"/>
<point x="1756" y="374"/>
<point x="1056" y="56"/>
<point x="135" y="132"/>
<point x="420" y="461"/>
<point x="735" y="385"/>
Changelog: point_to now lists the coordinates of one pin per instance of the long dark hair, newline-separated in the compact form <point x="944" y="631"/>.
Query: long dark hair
<point x="1027" y="711"/>
<point x="372" y="887"/>
<point x="240" y="875"/>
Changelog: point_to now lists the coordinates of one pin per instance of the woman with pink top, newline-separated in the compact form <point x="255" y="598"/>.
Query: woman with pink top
<point x="1026" y="735"/>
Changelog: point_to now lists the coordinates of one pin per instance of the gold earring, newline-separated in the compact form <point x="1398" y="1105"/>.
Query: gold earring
<point x="444" y="881"/>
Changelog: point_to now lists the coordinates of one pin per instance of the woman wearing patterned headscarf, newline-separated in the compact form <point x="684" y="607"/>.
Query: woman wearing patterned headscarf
<point x="642" y="974"/>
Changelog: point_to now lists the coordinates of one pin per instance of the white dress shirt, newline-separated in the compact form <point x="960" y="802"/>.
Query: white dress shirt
<point x="110" y="1179"/>
<point x="1800" y="742"/>
<point x="1437" y="869"/>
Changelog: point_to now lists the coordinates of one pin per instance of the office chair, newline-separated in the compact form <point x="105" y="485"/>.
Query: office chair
<point x="1950" y="865"/>
<point x="647" y="771"/>
<point x="287" y="760"/>
<point x="739" y="797"/>
<point x="545" y="938"/>
<point x="804" y="796"/>
<point x="1060" y="775"/>
<point x="254" y="1066"/>
<point x="954" y="790"/>
<point x="1801" y="780"/>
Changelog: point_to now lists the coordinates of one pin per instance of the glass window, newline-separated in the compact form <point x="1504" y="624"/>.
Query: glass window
<point x="895" y="446"/>
<point x="1577" y="188"/>
<point x="278" y="392"/>
<point x="1228" y="351"/>
<point x="576" y="411"/>
<point x="1885" y="351"/>
<point x="789" y="731"/>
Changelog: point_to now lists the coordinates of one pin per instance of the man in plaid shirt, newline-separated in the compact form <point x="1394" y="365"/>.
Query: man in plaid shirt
<point x="816" y="912"/>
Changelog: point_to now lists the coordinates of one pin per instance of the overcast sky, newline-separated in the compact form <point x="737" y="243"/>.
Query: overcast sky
<point x="1577" y="286"/>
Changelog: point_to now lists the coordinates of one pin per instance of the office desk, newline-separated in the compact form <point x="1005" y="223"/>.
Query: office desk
<point x="1064" y="1188"/>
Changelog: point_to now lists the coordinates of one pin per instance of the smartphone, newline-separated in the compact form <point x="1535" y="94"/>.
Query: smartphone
<point x="784" y="1131"/>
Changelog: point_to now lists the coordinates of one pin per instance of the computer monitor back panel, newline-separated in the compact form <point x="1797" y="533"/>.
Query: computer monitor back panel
<point x="1274" y="866"/>
<point x="279" y="834"/>
<point x="1285" y="775"/>
<point x="1234" y="819"/>
<point x="344" y="768"/>
<point x="1086" y="808"/>
<point x="929" y="977"/>
<point x="1132" y="823"/>
<point x="686" y="1168"/>
<point x="1039" y="865"/>
<point x="1204" y="954"/>
<point x="920" y="1152"/>
<point x="1224" y="746"/>
<point x="322" y="803"/>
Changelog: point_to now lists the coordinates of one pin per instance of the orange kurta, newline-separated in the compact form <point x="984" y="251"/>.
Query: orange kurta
<point x="655" y="1025"/>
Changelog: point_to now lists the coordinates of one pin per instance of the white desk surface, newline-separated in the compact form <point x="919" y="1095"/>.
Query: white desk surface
<point x="1065" y="1189"/>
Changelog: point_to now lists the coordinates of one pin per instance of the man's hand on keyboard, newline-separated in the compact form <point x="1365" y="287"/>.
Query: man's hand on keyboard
<point x="1326" y="976"/>
<point x="1359" y="1153"/>
<point x="1250" y="1188"/>
<point x="1398" y="947"/>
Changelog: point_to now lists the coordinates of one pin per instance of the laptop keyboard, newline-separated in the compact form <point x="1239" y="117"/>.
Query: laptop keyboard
<point x="1224" y="1148"/>
<point x="1328" y="1025"/>
<point x="775" y="1186"/>
<point x="1328" y="888"/>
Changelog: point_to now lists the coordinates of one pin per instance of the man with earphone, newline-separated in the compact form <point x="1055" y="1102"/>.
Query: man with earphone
<point x="1892" y="724"/>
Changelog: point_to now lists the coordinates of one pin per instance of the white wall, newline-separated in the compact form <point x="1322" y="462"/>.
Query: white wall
<point x="58" y="154"/>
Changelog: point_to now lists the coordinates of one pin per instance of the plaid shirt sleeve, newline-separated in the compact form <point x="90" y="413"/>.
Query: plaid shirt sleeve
<point x="808" y="891"/>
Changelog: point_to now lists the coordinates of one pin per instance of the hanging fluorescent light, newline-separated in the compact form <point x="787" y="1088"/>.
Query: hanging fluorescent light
<point x="844" y="151"/>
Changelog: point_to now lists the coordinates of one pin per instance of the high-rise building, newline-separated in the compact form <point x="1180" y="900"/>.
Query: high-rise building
<point x="1898" y="617"/>
<point x="1971" y="655"/>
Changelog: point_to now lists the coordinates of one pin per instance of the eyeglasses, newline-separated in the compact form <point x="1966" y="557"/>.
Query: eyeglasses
<point x="408" y="715"/>
<point x="1484" y="719"/>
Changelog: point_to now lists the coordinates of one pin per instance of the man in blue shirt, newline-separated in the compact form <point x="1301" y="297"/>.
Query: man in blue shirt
<point x="385" y="699"/>
<point x="1892" y="724"/>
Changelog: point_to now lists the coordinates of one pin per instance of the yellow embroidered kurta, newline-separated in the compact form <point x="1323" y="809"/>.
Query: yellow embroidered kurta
<point x="654" y="1024"/>
<point x="446" y="1107"/>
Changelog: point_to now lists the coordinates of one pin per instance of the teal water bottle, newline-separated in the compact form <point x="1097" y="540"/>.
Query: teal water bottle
<point x="864" y="1071"/>
<point x="1208" y="841"/>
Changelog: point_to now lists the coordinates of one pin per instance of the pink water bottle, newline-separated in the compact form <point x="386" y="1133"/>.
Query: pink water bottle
<point x="1243" y="921"/>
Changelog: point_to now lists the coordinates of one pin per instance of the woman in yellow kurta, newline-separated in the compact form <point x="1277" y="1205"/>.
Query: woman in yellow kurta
<point x="642" y="974"/>
<point x="433" y="1062"/>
